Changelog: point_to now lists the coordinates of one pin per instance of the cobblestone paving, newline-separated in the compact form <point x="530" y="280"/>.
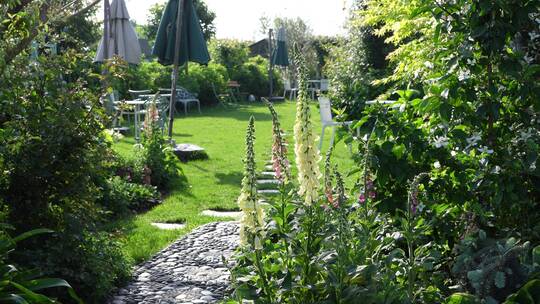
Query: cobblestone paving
<point x="190" y="271"/>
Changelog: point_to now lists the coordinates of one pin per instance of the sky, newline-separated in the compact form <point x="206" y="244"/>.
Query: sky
<point x="239" y="19"/>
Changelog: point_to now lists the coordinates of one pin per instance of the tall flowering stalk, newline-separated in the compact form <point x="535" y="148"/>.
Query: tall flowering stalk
<point x="280" y="163"/>
<point x="151" y="118"/>
<point x="410" y="232"/>
<point x="251" y="224"/>
<point x="328" y="177"/>
<point x="306" y="151"/>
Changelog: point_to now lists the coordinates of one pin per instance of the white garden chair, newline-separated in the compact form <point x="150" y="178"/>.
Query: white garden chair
<point x="184" y="97"/>
<point x="325" y="85"/>
<point x="325" y="109"/>
<point x="287" y="87"/>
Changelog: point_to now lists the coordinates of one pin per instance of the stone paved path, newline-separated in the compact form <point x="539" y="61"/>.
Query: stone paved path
<point x="189" y="271"/>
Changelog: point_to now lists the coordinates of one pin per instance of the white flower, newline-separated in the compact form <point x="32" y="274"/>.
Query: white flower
<point x="306" y="151"/>
<point x="444" y="93"/>
<point x="524" y="135"/>
<point x="440" y="141"/>
<point x="464" y="75"/>
<point x="474" y="139"/>
<point x="437" y="165"/>
<point x="485" y="149"/>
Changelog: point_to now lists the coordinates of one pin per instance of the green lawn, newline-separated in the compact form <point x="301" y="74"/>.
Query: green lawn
<point x="215" y="182"/>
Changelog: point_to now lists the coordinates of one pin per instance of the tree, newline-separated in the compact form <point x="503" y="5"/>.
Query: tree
<point x="299" y="40"/>
<point x="23" y="20"/>
<point x="206" y="16"/>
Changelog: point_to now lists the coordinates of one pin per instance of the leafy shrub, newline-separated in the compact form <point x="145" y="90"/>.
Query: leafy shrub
<point x="354" y="64"/>
<point x="92" y="261"/>
<point x="121" y="196"/>
<point x="231" y="54"/>
<point x="253" y="77"/>
<point x="19" y="286"/>
<point x="54" y="156"/>
<point x="150" y="75"/>
<point x="528" y="294"/>
<point x="492" y="268"/>
<point x="200" y="80"/>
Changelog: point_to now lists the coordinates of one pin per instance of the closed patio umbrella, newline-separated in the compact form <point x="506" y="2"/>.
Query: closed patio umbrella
<point x="280" y="56"/>
<point x="177" y="47"/>
<point x="122" y="39"/>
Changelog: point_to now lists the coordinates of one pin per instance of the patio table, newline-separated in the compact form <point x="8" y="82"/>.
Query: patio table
<point x="138" y="103"/>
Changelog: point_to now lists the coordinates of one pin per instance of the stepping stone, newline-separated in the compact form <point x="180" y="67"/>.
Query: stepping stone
<point x="233" y="214"/>
<point x="168" y="226"/>
<point x="121" y="130"/>
<point x="187" y="152"/>
<point x="268" y="192"/>
<point x="268" y="173"/>
<point x="267" y="182"/>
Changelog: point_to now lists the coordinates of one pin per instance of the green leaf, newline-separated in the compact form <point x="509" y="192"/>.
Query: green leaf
<point x="399" y="150"/>
<point x="13" y="298"/>
<point x="31" y="233"/>
<point x="437" y="33"/>
<point x="500" y="279"/>
<point x="39" y="284"/>
<point x="462" y="298"/>
<point x="536" y="256"/>
<point x="32" y="296"/>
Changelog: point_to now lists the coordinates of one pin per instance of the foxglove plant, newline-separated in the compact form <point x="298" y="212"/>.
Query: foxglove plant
<point x="306" y="151"/>
<point x="411" y="232"/>
<point x="150" y="119"/>
<point x="328" y="177"/>
<point x="280" y="163"/>
<point x="251" y="224"/>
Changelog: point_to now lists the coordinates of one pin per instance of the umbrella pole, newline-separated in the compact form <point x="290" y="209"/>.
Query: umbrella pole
<point x="106" y="28"/>
<point x="174" y="76"/>
<point x="270" y="70"/>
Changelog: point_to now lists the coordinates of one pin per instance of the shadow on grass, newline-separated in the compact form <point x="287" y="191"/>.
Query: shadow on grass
<point x="181" y="134"/>
<point x="233" y="178"/>
<point x="240" y="112"/>
<point x="179" y="185"/>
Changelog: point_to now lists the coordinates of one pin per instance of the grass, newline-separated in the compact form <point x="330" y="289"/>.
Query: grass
<point x="214" y="183"/>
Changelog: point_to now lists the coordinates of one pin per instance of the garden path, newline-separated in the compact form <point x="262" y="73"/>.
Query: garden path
<point x="189" y="271"/>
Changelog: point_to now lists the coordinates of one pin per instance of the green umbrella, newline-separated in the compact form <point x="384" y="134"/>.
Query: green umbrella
<point x="178" y="47"/>
<point x="281" y="56"/>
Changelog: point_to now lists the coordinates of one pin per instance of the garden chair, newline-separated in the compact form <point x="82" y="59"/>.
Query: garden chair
<point x="223" y="99"/>
<point x="325" y="109"/>
<point x="135" y="94"/>
<point x="184" y="97"/>
<point x="325" y="85"/>
<point x="115" y="109"/>
<point x="287" y="87"/>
